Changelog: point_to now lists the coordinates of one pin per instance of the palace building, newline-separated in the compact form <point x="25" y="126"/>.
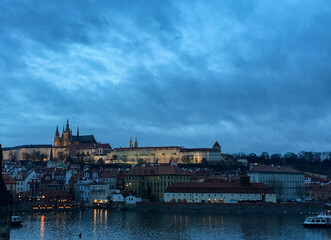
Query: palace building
<point x="165" y="154"/>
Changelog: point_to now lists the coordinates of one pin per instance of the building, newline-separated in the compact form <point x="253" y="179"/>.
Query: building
<point x="319" y="192"/>
<point x="287" y="182"/>
<point x="150" y="182"/>
<point x="164" y="155"/>
<point x="68" y="139"/>
<point x="66" y="145"/>
<point x="22" y="180"/>
<point x="10" y="184"/>
<point x="219" y="192"/>
<point x="82" y="190"/>
<point x="40" y="152"/>
<point x="99" y="192"/>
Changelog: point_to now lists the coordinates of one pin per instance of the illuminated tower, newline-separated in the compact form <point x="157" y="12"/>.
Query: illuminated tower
<point x="57" y="140"/>
<point x="131" y="143"/>
<point x="67" y="135"/>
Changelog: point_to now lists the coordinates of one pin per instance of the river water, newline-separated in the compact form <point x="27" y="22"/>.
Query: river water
<point x="105" y="224"/>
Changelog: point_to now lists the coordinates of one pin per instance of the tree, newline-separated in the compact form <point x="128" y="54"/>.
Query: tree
<point x="186" y="159"/>
<point x="101" y="161"/>
<point x="26" y="157"/>
<point x="264" y="157"/>
<point x="204" y="161"/>
<point x="277" y="186"/>
<point x="13" y="156"/>
<point x="141" y="161"/>
<point x="300" y="191"/>
<point x="276" y="158"/>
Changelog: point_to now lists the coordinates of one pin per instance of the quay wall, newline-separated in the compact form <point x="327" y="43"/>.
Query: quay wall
<point x="28" y="207"/>
<point x="250" y="208"/>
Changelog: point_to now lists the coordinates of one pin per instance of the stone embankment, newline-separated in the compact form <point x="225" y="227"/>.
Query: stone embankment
<point x="239" y="208"/>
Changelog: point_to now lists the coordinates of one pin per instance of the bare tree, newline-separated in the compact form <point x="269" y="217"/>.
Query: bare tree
<point x="277" y="186"/>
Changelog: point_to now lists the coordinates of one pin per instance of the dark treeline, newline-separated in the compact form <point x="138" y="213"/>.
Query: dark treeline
<point x="319" y="162"/>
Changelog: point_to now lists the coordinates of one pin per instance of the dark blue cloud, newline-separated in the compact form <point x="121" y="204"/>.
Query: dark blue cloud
<point x="253" y="75"/>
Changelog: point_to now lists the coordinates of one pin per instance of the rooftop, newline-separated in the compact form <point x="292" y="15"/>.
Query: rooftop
<point x="219" y="187"/>
<point x="155" y="170"/>
<point x="275" y="169"/>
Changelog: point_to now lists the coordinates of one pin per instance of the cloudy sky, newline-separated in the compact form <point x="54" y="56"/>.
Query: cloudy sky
<point x="254" y="75"/>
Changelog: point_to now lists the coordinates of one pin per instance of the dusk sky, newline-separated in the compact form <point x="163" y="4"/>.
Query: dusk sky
<point x="253" y="75"/>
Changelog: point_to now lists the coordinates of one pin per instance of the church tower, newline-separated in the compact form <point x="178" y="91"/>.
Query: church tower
<point x="57" y="140"/>
<point x="136" y="143"/>
<point x="131" y="143"/>
<point x="67" y="135"/>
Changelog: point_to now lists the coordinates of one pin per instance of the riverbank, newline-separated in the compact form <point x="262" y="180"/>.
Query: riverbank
<point x="228" y="208"/>
<point x="238" y="208"/>
<point x="36" y="207"/>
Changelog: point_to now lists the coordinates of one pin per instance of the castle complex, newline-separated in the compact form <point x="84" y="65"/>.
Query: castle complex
<point x="68" y="145"/>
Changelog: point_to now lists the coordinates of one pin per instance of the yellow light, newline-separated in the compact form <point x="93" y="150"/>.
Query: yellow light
<point x="43" y="196"/>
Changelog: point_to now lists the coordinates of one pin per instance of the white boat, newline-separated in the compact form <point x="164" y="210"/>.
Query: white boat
<point x="319" y="221"/>
<point x="16" y="221"/>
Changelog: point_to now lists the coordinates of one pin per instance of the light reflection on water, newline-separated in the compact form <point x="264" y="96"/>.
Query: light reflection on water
<point x="105" y="224"/>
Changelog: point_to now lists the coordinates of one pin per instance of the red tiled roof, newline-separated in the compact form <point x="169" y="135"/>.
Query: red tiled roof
<point x="155" y="170"/>
<point x="199" y="150"/>
<point x="89" y="146"/>
<point x="218" y="187"/>
<point x="108" y="173"/>
<point x="8" y="179"/>
<point x="25" y="173"/>
<point x="156" y="148"/>
<point x="75" y="177"/>
<point x="270" y="168"/>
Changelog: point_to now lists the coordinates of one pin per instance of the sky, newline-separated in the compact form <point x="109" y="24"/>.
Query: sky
<point x="253" y="75"/>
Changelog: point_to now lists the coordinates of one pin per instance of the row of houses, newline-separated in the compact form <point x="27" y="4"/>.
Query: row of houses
<point x="164" y="183"/>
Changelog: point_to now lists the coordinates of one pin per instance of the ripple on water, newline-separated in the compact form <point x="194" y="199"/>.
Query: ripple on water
<point x="105" y="224"/>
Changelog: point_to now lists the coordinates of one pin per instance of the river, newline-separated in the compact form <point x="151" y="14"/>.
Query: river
<point x="105" y="224"/>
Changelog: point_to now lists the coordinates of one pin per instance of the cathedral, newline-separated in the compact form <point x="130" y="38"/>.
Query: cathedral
<point x="67" y="139"/>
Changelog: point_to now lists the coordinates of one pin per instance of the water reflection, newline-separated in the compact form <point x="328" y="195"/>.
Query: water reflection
<point x="105" y="224"/>
<point x="42" y="226"/>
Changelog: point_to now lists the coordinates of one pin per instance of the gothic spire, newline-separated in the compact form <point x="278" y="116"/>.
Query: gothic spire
<point x="67" y="127"/>
<point x="131" y="143"/>
<point x="57" y="131"/>
<point x="136" y="143"/>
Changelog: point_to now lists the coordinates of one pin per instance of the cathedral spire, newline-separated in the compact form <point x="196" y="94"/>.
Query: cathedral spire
<point x="67" y="127"/>
<point x="136" y="143"/>
<point x="131" y="143"/>
<point x="57" y="131"/>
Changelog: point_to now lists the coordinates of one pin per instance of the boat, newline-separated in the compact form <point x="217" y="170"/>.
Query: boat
<point x="319" y="221"/>
<point x="16" y="221"/>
